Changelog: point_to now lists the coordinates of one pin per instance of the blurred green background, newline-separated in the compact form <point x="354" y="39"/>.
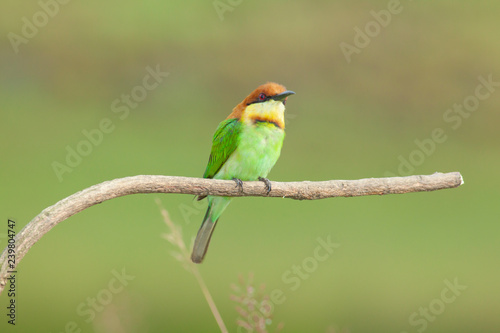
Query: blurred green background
<point x="348" y="120"/>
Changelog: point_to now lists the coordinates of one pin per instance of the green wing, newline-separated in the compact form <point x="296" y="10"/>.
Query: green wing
<point x="225" y="141"/>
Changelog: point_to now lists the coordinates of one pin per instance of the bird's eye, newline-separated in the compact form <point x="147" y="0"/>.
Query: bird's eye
<point x="262" y="97"/>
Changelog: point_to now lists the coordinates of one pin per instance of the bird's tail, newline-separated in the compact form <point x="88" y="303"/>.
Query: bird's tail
<point x="203" y="238"/>
<point x="216" y="205"/>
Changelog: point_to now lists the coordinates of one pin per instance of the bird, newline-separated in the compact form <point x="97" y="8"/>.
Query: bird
<point x="245" y="146"/>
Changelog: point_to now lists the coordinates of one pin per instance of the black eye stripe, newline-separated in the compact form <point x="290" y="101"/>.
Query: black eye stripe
<point x="258" y="100"/>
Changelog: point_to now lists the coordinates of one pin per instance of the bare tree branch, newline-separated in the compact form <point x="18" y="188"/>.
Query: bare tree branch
<point x="306" y="190"/>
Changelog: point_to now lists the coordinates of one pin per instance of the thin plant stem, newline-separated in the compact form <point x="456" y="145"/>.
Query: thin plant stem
<point x="175" y="238"/>
<point x="209" y="299"/>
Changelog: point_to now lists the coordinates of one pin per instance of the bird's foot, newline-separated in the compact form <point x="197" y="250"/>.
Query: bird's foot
<point x="239" y="183"/>
<point x="267" y="182"/>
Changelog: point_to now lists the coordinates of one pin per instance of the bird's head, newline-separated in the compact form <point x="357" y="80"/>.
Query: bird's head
<point x="264" y="104"/>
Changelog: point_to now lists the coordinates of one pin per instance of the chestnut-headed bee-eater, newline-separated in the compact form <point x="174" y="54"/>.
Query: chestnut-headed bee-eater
<point x="245" y="146"/>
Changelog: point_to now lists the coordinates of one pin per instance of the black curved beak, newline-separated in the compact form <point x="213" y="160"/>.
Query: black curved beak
<point x="283" y="95"/>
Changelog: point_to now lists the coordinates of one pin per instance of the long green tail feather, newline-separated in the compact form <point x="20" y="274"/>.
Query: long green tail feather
<point x="203" y="238"/>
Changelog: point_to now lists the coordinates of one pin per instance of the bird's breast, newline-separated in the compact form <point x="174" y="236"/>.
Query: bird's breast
<point x="258" y="150"/>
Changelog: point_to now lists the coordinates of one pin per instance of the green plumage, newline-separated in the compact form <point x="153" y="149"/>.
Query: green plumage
<point x="244" y="151"/>
<point x="224" y="143"/>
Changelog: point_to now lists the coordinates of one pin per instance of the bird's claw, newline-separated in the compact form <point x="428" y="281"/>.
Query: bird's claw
<point x="267" y="182"/>
<point x="239" y="183"/>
